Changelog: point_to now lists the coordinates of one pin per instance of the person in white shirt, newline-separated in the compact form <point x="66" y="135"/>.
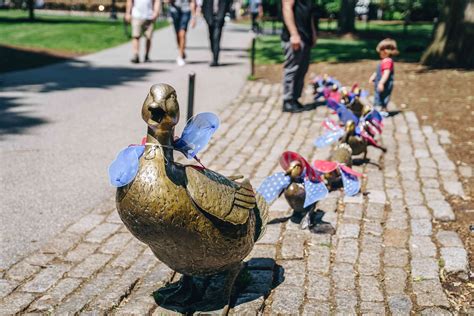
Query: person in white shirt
<point x="142" y="14"/>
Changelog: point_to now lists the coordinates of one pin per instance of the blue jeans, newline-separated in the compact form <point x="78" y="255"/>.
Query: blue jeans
<point x="382" y="98"/>
<point x="180" y="18"/>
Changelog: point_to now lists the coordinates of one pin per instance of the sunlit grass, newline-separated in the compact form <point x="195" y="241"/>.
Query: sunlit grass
<point x="68" y="34"/>
<point x="332" y="48"/>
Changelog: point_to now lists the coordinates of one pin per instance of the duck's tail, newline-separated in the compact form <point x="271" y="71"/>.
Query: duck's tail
<point x="342" y="154"/>
<point x="261" y="214"/>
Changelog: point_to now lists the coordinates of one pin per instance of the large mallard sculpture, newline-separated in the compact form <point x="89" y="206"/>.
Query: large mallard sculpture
<point x="197" y="221"/>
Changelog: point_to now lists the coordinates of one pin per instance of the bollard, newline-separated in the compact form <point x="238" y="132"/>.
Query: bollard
<point x="192" y="79"/>
<point x="252" y="56"/>
<point x="113" y="11"/>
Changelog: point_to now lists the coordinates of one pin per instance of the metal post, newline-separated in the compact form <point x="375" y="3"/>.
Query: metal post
<point x="113" y="11"/>
<point x="252" y="56"/>
<point x="192" y="79"/>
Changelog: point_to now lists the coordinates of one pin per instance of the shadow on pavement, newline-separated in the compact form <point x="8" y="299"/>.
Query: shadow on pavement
<point x="60" y="77"/>
<point x="173" y="61"/>
<point x="72" y="75"/>
<point x="229" y="64"/>
<point x="223" y="49"/>
<point x="13" y="121"/>
<point x="14" y="58"/>
<point x="393" y="113"/>
<point x="256" y="279"/>
<point x="311" y="218"/>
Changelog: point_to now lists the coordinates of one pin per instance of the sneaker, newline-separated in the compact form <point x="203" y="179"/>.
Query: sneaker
<point x="214" y="64"/>
<point x="180" y="61"/>
<point x="135" y="59"/>
<point x="382" y="110"/>
<point x="147" y="59"/>
<point x="384" y="113"/>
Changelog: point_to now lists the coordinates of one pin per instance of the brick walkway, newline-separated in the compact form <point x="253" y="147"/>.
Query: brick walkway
<point x="385" y="257"/>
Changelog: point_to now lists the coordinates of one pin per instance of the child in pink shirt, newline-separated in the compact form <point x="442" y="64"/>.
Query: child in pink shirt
<point x="383" y="77"/>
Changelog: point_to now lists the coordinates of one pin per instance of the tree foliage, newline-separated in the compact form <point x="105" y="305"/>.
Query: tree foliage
<point x="418" y="10"/>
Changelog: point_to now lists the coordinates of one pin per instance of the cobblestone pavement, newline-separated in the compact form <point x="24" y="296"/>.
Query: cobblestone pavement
<point x="385" y="257"/>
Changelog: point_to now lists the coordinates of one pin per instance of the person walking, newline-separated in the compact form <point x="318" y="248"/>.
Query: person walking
<point x="214" y="12"/>
<point x="298" y="36"/>
<point x="256" y="11"/>
<point x="142" y="14"/>
<point x="181" y="12"/>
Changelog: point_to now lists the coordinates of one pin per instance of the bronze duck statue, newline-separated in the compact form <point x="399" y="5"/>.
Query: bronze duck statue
<point x="342" y="154"/>
<point x="295" y="192"/>
<point x="196" y="221"/>
<point x="299" y="183"/>
<point x="337" y="171"/>
<point x="359" y="106"/>
<point x="358" y="141"/>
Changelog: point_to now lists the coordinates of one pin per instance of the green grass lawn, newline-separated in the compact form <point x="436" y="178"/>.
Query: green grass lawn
<point x="332" y="48"/>
<point x="64" y="34"/>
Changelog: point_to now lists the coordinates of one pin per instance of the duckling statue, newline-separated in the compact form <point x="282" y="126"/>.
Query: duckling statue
<point x="356" y="102"/>
<point x="299" y="183"/>
<point x="325" y="86"/>
<point x="359" y="140"/>
<point x="337" y="170"/>
<point x="357" y="133"/>
<point x="357" y="143"/>
<point x="342" y="154"/>
<point x="196" y="221"/>
<point x="295" y="193"/>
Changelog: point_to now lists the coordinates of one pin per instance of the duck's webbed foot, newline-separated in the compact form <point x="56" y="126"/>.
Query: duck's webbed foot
<point x="219" y="291"/>
<point x="298" y="216"/>
<point x="204" y="294"/>
<point x="179" y="296"/>
<point x="314" y="222"/>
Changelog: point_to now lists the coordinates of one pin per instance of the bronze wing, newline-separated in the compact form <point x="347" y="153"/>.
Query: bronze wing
<point x="219" y="196"/>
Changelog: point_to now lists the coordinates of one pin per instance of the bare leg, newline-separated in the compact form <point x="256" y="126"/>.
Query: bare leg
<point x="177" y="39"/>
<point x="181" y="42"/>
<point x="147" y="48"/>
<point x="135" y="45"/>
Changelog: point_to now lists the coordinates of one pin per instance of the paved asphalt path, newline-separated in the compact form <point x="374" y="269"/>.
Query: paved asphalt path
<point x="61" y="125"/>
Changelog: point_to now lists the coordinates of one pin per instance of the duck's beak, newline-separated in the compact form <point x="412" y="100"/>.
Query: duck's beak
<point x="157" y="110"/>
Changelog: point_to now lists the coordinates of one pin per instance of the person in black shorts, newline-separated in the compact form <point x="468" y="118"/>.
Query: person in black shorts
<point x="182" y="11"/>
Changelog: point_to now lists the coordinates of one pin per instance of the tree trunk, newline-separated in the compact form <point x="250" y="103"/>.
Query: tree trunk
<point x="31" y="9"/>
<point x="346" y="23"/>
<point x="453" y="44"/>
